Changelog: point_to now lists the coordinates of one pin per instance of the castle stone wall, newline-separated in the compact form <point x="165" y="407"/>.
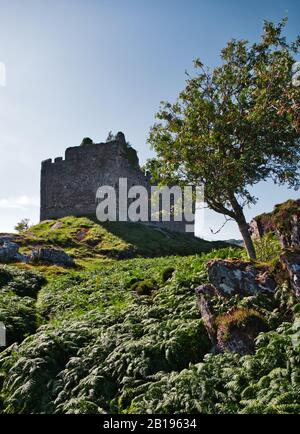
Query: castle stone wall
<point x="69" y="185"/>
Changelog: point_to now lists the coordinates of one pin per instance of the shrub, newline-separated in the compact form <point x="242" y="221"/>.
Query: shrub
<point x="19" y="316"/>
<point x="267" y="247"/>
<point x="20" y="282"/>
<point x="104" y="350"/>
<point x="86" y="141"/>
<point x="167" y="273"/>
<point x="86" y="365"/>
<point x="144" y="287"/>
<point x="18" y="290"/>
<point x="22" y="226"/>
<point x="265" y="382"/>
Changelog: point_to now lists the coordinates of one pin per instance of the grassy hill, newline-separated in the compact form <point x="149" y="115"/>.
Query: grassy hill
<point x="88" y="242"/>
<point x="121" y="332"/>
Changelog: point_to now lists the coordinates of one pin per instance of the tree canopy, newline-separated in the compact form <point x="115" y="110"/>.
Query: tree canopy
<point x="234" y="125"/>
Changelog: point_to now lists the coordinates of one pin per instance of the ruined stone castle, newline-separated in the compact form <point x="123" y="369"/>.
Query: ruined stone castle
<point x="69" y="185"/>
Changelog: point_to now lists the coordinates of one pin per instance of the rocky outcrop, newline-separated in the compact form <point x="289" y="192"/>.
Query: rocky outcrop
<point x="239" y="277"/>
<point x="291" y="261"/>
<point x="9" y="252"/>
<point x="9" y="249"/>
<point x="236" y="329"/>
<point x="283" y="221"/>
<point x="81" y="234"/>
<point x="261" y="225"/>
<point x="56" y="225"/>
<point x="289" y="234"/>
<point x="8" y="238"/>
<point x="51" y="256"/>
<point x="204" y="302"/>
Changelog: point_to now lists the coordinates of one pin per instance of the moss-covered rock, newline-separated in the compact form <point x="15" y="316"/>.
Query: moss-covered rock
<point x="144" y="287"/>
<point x="238" y="328"/>
<point x="284" y="220"/>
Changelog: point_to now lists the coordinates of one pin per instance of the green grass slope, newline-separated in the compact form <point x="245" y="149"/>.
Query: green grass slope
<point x="103" y="346"/>
<point x="123" y="334"/>
<point x="88" y="241"/>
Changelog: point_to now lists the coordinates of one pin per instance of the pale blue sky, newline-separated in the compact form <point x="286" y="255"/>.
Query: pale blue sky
<point x="80" y="68"/>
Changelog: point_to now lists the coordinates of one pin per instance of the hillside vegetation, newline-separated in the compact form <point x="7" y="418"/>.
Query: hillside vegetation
<point x="119" y="335"/>
<point x="89" y="242"/>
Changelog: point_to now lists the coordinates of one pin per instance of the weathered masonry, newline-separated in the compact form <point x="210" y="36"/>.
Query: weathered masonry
<point x="69" y="185"/>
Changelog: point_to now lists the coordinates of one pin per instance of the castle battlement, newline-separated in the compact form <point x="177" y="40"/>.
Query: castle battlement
<point x="85" y="151"/>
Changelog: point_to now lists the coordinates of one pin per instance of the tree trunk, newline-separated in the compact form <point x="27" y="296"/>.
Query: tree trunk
<point x="243" y="227"/>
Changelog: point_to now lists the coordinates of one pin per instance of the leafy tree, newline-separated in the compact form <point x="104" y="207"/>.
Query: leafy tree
<point x="86" y="141"/>
<point x="234" y="126"/>
<point x="23" y="225"/>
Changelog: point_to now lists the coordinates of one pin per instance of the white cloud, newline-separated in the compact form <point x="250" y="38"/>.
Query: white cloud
<point x="20" y="202"/>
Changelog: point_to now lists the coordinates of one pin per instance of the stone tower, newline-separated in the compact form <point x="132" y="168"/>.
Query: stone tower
<point x="69" y="185"/>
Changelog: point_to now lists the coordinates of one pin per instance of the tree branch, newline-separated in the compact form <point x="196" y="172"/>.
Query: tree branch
<point x="220" y="228"/>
